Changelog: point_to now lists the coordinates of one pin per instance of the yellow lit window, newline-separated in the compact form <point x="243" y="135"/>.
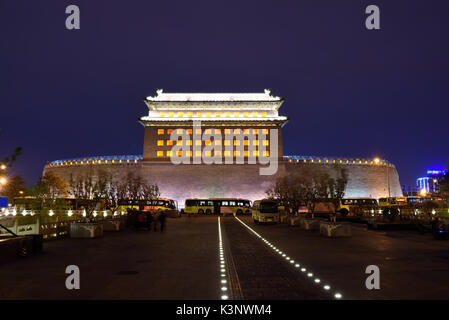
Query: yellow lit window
<point x="217" y="114"/>
<point x="160" y="131"/>
<point x="198" y="153"/>
<point x="255" y="114"/>
<point x="197" y="142"/>
<point x="179" y="143"/>
<point x="208" y="131"/>
<point x="264" y="114"/>
<point x="246" y="153"/>
<point x="160" y="142"/>
<point x="236" y="142"/>
<point x="246" y="114"/>
<point x="236" y="114"/>
<point x="266" y="153"/>
<point x="180" y="114"/>
<point x="208" y="114"/>
<point x="227" y="143"/>
<point x="199" y="114"/>
<point x="189" y="142"/>
<point x="198" y="131"/>
<point x="227" y="153"/>
<point x="160" y="153"/>
<point x="179" y="131"/>
<point x="169" y="131"/>
<point x="208" y="153"/>
<point x="227" y="131"/>
<point x="189" y="131"/>
<point x="217" y="131"/>
<point x="227" y="114"/>
<point x="256" y="131"/>
<point x="169" y="142"/>
<point x="256" y="153"/>
<point x="255" y="142"/>
<point x="217" y="142"/>
<point x="179" y="153"/>
<point x="246" y="131"/>
<point x="162" y="114"/>
<point x="245" y="142"/>
<point x="188" y="153"/>
<point x="217" y="153"/>
<point x="265" y="131"/>
<point x="189" y="114"/>
<point x="266" y="142"/>
<point x="171" y="114"/>
<point x="236" y="131"/>
<point x="168" y="153"/>
<point x="236" y="153"/>
<point x="207" y="143"/>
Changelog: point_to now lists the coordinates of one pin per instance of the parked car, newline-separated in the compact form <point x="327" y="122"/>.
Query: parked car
<point x="13" y="245"/>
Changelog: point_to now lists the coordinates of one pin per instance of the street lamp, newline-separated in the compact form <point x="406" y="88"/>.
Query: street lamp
<point x="3" y="167"/>
<point x="422" y="192"/>
<point x="376" y="160"/>
<point x="3" y="181"/>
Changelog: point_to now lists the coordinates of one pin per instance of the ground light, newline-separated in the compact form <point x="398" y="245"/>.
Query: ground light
<point x="310" y="275"/>
<point x="222" y="265"/>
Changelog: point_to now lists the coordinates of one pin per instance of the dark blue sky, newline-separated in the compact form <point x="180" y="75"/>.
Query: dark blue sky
<point x="349" y="91"/>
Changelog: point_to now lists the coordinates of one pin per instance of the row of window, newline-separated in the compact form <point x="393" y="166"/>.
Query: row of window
<point x="216" y="131"/>
<point x="209" y="114"/>
<point x="218" y="153"/>
<point x="209" y="142"/>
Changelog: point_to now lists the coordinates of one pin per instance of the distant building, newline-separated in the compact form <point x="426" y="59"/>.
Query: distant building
<point x="431" y="182"/>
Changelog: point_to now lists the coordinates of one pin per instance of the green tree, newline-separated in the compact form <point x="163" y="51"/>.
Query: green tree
<point x="49" y="187"/>
<point x="14" y="188"/>
<point x="9" y="160"/>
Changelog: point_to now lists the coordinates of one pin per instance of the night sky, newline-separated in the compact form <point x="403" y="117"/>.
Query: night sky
<point x="349" y="91"/>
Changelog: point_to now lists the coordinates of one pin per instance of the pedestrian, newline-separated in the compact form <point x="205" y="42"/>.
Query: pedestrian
<point x="162" y="218"/>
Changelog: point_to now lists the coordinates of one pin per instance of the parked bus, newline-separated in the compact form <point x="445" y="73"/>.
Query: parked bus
<point x="160" y="204"/>
<point x="265" y="211"/>
<point x="217" y="206"/>
<point x="356" y="206"/>
<point x="34" y="203"/>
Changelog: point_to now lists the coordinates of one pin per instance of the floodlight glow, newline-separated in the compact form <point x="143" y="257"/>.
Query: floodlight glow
<point x="224" y="297"/>
<point x="326" y="287"/>
<point x="338" y="296"/>
<point x="317" y="280"/>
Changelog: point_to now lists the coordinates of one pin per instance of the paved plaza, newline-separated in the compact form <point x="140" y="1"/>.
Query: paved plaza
<point x="183" y="263"/>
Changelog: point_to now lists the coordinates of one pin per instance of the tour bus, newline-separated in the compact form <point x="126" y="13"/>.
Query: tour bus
<point x="356" y="206"/>
<point x="265" y="211"/>
<point x="159" y="204"/>
<point x="347" y="206"/>
<point x="34" y="203"/>
<point x="217" y="206"/>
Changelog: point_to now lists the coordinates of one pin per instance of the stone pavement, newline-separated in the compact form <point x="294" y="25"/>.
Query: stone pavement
<point x="179" y="264"/>
<point x="183" y="264"/>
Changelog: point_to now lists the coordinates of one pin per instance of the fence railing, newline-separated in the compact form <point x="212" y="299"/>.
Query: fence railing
<point x="51" y="224"/>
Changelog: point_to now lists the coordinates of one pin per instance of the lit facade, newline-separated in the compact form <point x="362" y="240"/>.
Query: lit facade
<point x="221" y="115"/>
<point x="224" y="115"/>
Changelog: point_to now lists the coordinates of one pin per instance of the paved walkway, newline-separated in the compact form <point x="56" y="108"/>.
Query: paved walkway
<point x="183" y="264"/>
<point x="178" y="264"/>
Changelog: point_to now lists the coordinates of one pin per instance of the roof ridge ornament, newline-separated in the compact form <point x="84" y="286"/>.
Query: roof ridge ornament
<point x="159" y="91"/>
<point x="267" y="91"/>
